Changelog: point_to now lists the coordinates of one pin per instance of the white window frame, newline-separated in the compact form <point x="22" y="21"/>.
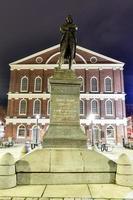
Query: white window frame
<point x="110" y="139"/>
<point x="34" y="107"/>
<point x="91" y="84"/>
<point x="18" y="131"/>
<point x="108" y="77"/>
<point x="80" y="77"/>
<point x="25" y="107"/>
<point x="48" y="102"/>
<point x="38" y="77"/>
<point x="97" y="106"/>
<point x="48" y="84"/>
<point x="83" y="107"/>
<point x="96" y="127"/>
<point x="106" y="108"/>
<point x="22" y="82"/>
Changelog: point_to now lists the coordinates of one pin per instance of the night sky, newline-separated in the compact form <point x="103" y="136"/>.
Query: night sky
<point x="28" y="26"/>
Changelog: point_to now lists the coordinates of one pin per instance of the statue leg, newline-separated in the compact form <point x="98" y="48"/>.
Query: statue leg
<point x="70" y="62"/>
<point x="61" y="59"/>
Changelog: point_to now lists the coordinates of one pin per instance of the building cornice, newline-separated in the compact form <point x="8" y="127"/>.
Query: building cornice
<point x="86" y="96"/>
<point x="44" y="121"/>
<point x="65" y="66"/>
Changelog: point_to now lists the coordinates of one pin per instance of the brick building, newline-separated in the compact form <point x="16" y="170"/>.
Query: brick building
<point x="102" y="93"/>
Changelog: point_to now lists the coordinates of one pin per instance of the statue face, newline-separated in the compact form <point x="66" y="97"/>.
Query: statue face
<point x="69" y="19"/>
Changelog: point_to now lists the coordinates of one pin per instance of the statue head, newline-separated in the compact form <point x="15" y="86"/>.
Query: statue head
<point x="69" y="19"/>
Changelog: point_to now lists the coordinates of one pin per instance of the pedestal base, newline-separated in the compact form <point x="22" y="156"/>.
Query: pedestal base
<point x="64" y="136"/>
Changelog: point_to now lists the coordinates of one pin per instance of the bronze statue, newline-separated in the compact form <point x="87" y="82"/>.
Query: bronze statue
<point x="68" y="42"/>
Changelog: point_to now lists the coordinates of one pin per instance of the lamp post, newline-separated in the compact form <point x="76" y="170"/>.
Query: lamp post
<point x="37" y="118"/>
<point x="91" y="118"/>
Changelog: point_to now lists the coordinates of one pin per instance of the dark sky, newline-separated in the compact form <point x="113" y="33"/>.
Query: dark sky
<point x="28" y="26"/>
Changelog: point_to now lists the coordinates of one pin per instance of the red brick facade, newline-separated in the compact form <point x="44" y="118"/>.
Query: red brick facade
<point x="104" y="68"/>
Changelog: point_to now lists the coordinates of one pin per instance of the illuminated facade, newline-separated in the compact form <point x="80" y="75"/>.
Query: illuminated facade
<point x="101" y="93"/>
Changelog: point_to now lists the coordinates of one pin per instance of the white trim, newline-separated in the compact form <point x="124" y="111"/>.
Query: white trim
<point x="44" y="121"/>
<point x="25" y="107"/>
<point x="36" y="54"/>
<point x="108" y="138"/>
<point x="80" y="77"/>
<point x="48" y="104"/>
<point x="38" y="77"/>
<point x="108" y="77"/>
<point x="106" y="108"/>
<point x="34" y="107"/>
<point x="78" y="47"/>
<point x="21" y="84"/>
<point x="91" y="84"/>
<point x="98" y="54"/>
<point x="81" y="57"/>
<point x="97" y="114"/>
<point x="65" y="66"/>
<point x="86" y="96"/>
<point x="18" y="131"/>
<point x="50" y="58"/>
<point x="48" y="84"/>
<point x="81" y="100"/>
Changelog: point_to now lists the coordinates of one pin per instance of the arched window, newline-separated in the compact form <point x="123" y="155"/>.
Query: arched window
<point x="48" y="107"/>
<point x="24" y="84"/>
<point x="94" y="107"/>
<point x="36" y="134"/>
<point x="21" y="131"/>
<point x="93" y="84"/>
<point x="108" y="84"/>
<point x="109" y="107"/>
<point x="82" y="83"/>
<point x="37" y="107"/>
<point x="110" y="134"/>
<point x="38" y="84"/>
<point x="81" y="107"/>
<point x="48" y="84"/>
<point x="97" y="134"/>
<point x="23" y="107"/>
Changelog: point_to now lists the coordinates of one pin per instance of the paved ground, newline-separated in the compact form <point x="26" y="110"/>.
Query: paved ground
<point x="71" y="192"/>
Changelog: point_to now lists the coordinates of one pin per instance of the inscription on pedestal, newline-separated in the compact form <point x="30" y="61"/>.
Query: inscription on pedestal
<point x="64" y="109"/>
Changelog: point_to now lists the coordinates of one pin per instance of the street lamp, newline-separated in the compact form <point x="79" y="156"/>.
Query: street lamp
<point x="91" y="118"/>
<point x="37" y="136"/>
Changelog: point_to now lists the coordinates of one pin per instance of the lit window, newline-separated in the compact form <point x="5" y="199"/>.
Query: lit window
<point x="94" y="107"/>
<point x="82" y="84"/>
<point x="21" y="132"/>
<point x="48" y="107"/>
<point x="35" y="134"/>
<point x="108" y="84"/>
<point x="23" y="107"/>
<point x="37" y="107"/>
<point x="94" y="86"/>
<point x="38" y="84"/>
<point x="81" y="107"/>
<point x="110" y="132"/>
<point x="24" y="84"/>
<point x="97" y="135"/>
<point x="109" y="107"/>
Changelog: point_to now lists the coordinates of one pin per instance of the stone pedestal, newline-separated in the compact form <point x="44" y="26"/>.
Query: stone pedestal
<point x="7" y="171"/>
<point x="64" y="129"/>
